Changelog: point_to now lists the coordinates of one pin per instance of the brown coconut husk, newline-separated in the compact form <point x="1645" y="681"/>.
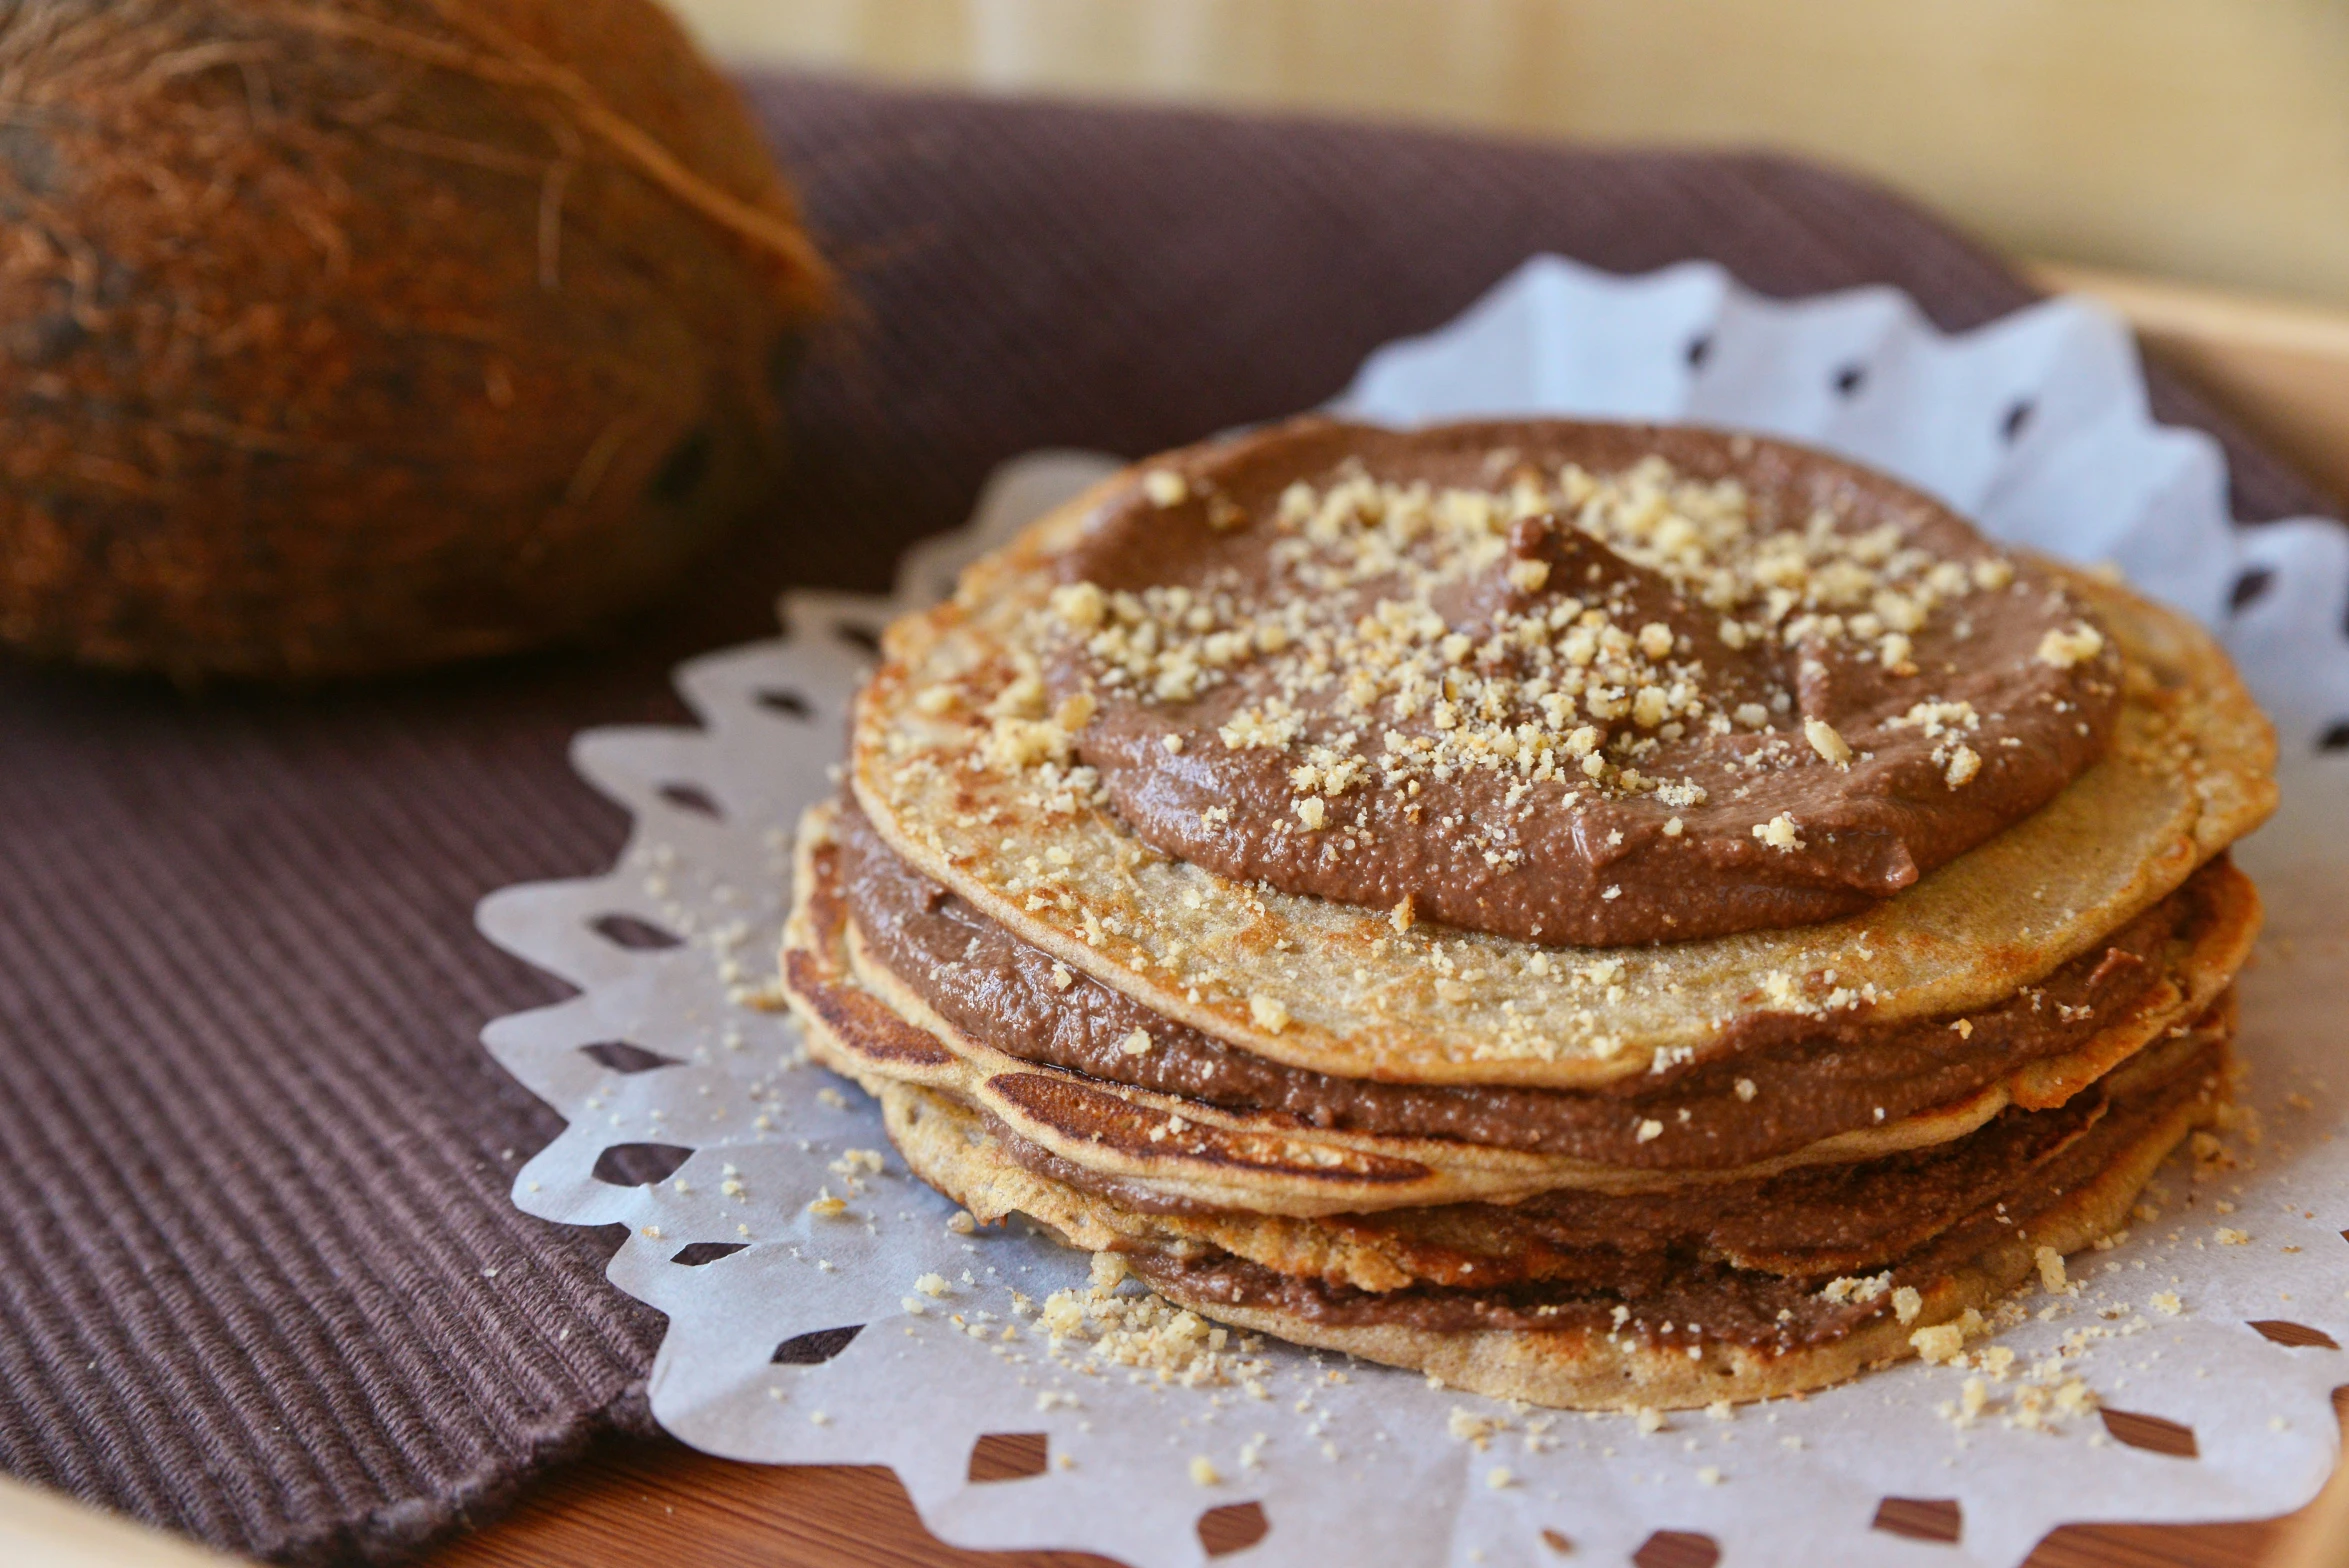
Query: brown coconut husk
<point x="348" y="335"/>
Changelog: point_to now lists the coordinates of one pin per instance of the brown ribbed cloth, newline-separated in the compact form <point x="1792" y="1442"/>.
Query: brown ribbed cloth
<point x="259" y="1277"/>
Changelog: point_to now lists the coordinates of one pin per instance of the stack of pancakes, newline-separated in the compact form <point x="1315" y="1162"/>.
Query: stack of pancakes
<point x="1611" y="915"/>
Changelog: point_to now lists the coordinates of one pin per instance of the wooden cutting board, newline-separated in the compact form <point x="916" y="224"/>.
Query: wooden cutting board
<point x="634" y="1504"/>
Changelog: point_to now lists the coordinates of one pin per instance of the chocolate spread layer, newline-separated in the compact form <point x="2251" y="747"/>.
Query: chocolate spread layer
<point x="1685" y="1295"/>
<point x="1815" y="1223"/>
<point x="1575" y="684"/>
<point x="1770" y="1083"/>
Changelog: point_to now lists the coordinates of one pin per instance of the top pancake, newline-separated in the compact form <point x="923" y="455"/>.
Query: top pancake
<point x="1000" y="814"/>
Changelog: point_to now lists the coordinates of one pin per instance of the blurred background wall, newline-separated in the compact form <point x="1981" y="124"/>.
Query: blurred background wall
<point x="2206" y="140"/>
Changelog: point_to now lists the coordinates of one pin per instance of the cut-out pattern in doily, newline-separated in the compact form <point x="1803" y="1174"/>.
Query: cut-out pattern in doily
<point x="878" y="1334"/>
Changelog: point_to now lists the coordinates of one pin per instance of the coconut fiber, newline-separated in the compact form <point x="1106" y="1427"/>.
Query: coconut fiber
<point x="259" y="1278"/>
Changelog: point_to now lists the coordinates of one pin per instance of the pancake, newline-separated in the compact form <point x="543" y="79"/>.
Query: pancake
<point x="1025" y="838"/>
<point x="1777" y="1083"/>
<point x="865" y="1023"/>
<point x="1700" y="1335"/>
<point x="1813" y="1223"/>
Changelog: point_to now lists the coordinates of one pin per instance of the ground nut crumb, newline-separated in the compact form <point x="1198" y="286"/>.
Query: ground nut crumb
<point x="2074" y="1397"/>
<point x="1862" y="1289"/>
<point x="2063" y="649"/>
<point x="2051" y="1268"/>
<point x="1080" y="606"/>
<point x="1940" y="1343"/>
<point x="1063" y="1315"/>
<point x="1466" y="1426"/>
<point x="1165" y="487"/>
<point x="1270" y="1013"/>
<point x="1827" y="743"/>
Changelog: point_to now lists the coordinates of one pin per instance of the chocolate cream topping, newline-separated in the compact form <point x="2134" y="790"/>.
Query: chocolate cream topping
<point x="1665" y="1281"/>
<point x="1574" y="684"/>
<point x="1767" y="1084"/>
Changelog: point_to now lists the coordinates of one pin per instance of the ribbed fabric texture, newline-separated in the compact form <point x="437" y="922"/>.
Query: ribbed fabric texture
<point x="259" y="1277"/>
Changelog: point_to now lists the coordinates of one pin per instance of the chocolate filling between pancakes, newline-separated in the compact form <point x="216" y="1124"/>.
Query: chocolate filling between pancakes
<point x="1768" y="1083"/>
<point x="1740" y="1262"/>
<point x="1682" y="1292"/>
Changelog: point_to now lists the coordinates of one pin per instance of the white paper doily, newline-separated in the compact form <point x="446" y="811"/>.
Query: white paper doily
<point x="790" y="1336"/>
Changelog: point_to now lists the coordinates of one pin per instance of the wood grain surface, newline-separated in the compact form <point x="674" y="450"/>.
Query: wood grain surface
<point x="635" y="1504"/>
<point x="44" y="1529"/>
<point x="2190" y="138"/>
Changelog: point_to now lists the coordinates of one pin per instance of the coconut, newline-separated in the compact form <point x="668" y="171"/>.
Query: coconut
<point x="344" y="336"/>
